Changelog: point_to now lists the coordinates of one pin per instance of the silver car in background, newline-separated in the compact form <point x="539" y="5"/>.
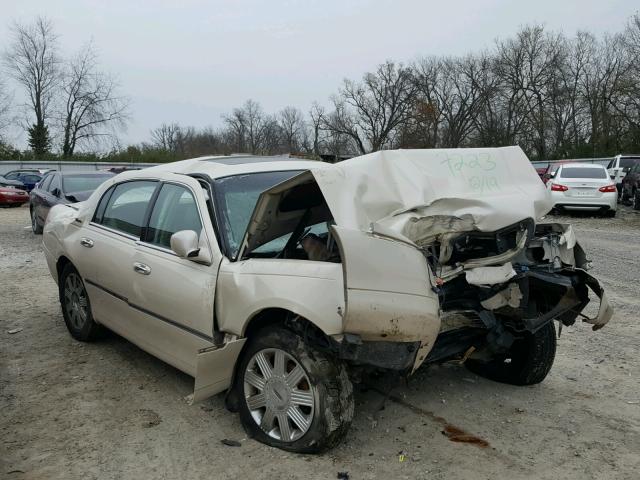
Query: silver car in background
<point x="583" y="187"/>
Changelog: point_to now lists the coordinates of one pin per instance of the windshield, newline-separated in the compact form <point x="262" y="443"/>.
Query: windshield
<point x="236" y="198"/>
<point x="583" y="172"/>
<point x="83" y="182"/>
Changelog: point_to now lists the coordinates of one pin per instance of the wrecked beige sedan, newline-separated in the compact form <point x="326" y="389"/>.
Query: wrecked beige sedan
<point x="275" y="278"/>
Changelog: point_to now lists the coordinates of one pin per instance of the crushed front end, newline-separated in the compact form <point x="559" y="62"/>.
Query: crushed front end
<point x="495" y="288"/>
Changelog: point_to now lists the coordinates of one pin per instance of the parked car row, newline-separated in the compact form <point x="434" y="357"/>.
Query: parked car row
<point x="45" y="188"/>
<point x="593" y="187"/>
<point x="62" y="187"/>
<point x="15" y="185"/>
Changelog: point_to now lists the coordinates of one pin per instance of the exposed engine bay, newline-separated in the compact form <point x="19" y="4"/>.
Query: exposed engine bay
<point x="510" y="282"/>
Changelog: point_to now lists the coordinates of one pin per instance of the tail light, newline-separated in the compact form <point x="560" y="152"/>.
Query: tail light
<point x="556" y="187"/>
<point x="608" y="189"/>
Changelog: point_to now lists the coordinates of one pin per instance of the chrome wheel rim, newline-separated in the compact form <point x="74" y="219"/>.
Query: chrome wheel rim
<point x="75" y="300"/>
<point x="279" y="395"/>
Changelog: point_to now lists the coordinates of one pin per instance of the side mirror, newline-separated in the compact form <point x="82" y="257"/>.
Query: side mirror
<point x="186" y="244"/>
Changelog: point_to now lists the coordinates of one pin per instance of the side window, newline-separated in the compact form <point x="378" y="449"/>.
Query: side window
<point x="175" y="209"/>
<point x="44" y="184"/>
<point x="55" y="183"/>
<point x="102" y="204"/>
<point x="611" y="163"/>
<point x="11" y="176"/>
<point x="127" y="205"/>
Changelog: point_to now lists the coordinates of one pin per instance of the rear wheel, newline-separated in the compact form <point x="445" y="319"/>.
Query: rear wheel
<point x="76" y="308"/>
<point x="292" y="395"/>
<point x="528" y="362"/>
<point x="636" y="200"/>
<point x="35" y="225"/>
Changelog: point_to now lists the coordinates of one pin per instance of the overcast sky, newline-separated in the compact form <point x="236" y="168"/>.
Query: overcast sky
<point x="189" y="61"/>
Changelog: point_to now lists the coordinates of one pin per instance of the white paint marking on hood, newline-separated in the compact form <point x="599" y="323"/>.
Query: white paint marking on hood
<point x="410" y="193"/>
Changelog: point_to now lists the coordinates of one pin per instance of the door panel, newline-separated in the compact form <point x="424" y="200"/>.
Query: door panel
<point x="111" y="258"/>
<point x="111" y="241"/>
<point x="172" y="293"/>
<point x="175" y="288"/>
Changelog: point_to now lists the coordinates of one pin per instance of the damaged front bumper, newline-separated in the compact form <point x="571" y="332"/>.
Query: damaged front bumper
<point x="532" y="276"/>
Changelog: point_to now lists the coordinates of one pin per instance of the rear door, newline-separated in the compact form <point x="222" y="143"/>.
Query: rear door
<point x="36" y="196"/>
<point x="109" y="243"/>
<point x="46" y="197"/>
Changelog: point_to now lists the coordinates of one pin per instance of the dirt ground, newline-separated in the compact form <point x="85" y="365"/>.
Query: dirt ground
<point x="108" y="410"/>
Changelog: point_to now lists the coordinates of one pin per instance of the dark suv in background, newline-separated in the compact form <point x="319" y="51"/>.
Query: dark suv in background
<point x="59" y="187"/>
<point x="631" y="186"/>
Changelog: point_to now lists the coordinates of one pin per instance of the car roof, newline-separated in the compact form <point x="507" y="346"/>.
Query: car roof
<point x="101" y="173"/>
<point x="224" y="166"/>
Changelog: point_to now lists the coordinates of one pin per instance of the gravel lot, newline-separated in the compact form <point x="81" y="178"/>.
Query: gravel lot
<point x="109" y="410"/>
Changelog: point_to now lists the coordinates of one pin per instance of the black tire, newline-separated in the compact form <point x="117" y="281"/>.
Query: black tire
<point x="624" y="198"/>
<point x="610" y="213"/>
<point x="35" y="226"/>
<point x="636" y="200"/>
<point x="81" y="327"/>
<point x="329" y="386"/>
<point x="528" y="362"/>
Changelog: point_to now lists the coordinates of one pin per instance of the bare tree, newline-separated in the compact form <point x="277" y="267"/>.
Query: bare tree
<point x="291" y="124"/>
<point x="316" y="121"/>
<point x="93" y="108"/>
<point x="32" y="60"/>
<point x="166" y="137"/>
<point x="250" y="128"/>
<point x="371" y="111"/>
<point x="5" y="109"/>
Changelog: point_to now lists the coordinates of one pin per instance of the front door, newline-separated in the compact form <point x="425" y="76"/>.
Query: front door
<point x="172" y="296"/>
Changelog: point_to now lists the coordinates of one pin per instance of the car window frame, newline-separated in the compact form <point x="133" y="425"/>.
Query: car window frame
<point x="147" y="215"/>
<point x="142" y="241"/>
<point x="46" y="179"/>
<point x="49" y="190"/>
<point x="109" y="192"/>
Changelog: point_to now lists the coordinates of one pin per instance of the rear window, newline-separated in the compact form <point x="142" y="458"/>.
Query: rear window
<point x="83" y="183"/>
<point x="583" y="172"/>
<point x="627" y="162"/>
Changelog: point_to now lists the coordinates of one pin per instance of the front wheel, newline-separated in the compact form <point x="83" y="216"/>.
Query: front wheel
<point x="528" y="361"/>
<point x="292" y="395"/>
<point x="636" y="200"/>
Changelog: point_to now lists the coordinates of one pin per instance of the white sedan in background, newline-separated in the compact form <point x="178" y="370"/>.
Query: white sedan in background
<point x="584" y="187"/>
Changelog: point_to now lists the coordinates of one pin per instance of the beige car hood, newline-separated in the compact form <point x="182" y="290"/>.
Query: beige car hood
<point x="419" y="194"/>
<point x="414" y="195"/>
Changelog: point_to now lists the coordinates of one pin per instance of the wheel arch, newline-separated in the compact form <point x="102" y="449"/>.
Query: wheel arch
<point x="62" y="262"/>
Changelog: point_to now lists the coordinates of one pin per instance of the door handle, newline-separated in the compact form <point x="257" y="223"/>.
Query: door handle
<point x="86" y="242"/>
<point x="141" y="268"/>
